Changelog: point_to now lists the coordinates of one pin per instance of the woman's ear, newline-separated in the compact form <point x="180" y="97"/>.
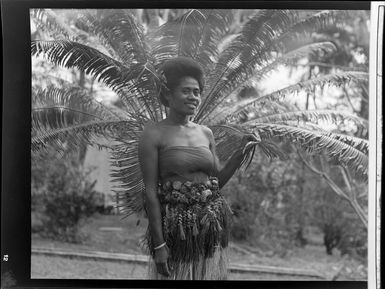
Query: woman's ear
<point x="168" y="95"/>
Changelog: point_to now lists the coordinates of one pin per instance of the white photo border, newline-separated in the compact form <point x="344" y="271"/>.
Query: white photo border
<point x="375" y="143"/>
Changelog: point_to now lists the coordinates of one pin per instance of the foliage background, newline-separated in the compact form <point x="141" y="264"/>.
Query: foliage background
<point x="278" y="204"/>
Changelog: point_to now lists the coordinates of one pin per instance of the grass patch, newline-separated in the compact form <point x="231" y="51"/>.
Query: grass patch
<point x="111" y="233"/>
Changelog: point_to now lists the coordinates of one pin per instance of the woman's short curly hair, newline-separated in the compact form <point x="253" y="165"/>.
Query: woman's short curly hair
<point x="177" y="68"/>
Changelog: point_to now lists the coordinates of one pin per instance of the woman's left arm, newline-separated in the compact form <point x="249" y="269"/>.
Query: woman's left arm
<point x="225" y="172"/>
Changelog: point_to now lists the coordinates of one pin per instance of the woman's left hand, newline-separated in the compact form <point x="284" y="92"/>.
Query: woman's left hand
<point x="249" y="140"/>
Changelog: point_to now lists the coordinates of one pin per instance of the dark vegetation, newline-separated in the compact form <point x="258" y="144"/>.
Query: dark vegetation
<point x="271" y="213"/>
<point x="62" y="198"/>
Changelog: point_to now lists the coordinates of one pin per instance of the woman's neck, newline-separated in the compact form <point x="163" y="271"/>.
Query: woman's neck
<point x="178" y="119"/>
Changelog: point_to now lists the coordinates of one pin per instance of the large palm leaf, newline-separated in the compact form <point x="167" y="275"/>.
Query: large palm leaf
<point x="266" y="31"/>
<point x="336" y="79"/>
<point x="73" y="54"/>
<point x="315" y="142"/>
<point x="241" y="80"/>
<point x="67" y="117"/>
<point x="195" y="34"/>
<point x="130" y="65"/>
<point x="118" y="31"/>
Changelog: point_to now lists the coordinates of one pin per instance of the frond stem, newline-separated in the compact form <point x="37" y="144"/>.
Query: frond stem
<point x="67" y="109"/>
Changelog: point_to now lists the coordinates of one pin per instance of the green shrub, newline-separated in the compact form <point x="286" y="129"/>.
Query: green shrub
<point x="338" y="222"/>
<point x="62" y="198"/>
<point x="263" y="204"/>
<point x="245" y="209"/>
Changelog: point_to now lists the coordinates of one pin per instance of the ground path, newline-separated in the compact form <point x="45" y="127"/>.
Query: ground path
<point x="112" y="235"/>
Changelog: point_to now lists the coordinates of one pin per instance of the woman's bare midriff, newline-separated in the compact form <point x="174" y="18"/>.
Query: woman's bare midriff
<point x="195" y="177"/>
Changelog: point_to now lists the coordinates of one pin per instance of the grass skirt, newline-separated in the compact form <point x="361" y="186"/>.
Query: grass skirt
<point x="214" y="268"/>
<point x="195" y="223"/>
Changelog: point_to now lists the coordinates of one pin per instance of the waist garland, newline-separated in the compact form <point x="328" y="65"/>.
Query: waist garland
<point x="189" y="193"/>
<point x="195" y="219"/>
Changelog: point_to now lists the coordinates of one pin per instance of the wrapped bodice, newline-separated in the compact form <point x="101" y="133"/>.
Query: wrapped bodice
<point x="184" y="161"/>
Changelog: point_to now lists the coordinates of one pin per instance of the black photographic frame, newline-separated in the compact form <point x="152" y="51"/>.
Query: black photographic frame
<point x="15" y="208"/>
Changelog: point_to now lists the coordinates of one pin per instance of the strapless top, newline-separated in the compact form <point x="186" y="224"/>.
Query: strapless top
<point x="184" y="160"/>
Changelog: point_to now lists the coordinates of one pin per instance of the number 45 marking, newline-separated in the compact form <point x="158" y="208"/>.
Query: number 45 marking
<point x="5" y="258"/>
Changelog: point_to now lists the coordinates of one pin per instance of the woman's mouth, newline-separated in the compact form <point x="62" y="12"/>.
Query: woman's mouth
<point x="192" y="105"/>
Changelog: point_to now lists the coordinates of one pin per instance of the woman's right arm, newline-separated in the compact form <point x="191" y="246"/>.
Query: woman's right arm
<point x="148" y="159"/>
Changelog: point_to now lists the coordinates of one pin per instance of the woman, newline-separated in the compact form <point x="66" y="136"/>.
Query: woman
<point x="188" y="218"/>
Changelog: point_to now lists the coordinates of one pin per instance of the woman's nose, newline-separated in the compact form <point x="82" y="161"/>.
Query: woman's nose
<point x="193" y="96"/>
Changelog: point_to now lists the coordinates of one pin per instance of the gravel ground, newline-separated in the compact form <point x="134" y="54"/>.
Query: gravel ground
<point x="72" y="268"/>
<point x="109" y="233"/>
<point x="49" y="267"/>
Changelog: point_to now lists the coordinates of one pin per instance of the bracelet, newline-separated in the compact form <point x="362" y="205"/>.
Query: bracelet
<point x="160" y="246"/>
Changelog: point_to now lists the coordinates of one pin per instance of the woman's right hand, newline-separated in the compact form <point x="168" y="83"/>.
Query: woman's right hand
<point x="160" y="258"/>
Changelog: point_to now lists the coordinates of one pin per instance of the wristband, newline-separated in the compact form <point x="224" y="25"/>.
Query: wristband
<point x="160" y="246"/>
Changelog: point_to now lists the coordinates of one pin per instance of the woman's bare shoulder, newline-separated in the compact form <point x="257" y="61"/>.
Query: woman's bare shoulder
<point x="151" y="131"/>
<point x="206" y="130"/>
<point x="209" y="134"/>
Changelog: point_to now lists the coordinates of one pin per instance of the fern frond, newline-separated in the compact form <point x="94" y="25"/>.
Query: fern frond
<point x="72" y="54"/>
<point x="45" y="81"/>
<point x="242" y="76"/>
<point x="271" y="150"/>
<point x="358" y="143"/>
<point x="330" y="116"/>
<point x="54" y="108"/>
<point x="118" y="30"/>
<point x="313" y="23"/>
<point x="228" y="138"/>
<point x="69" y="96"/>
<point x="255" y="49"/>
<point x="176" y="37"/>
<point x="316" y="142"/>
<point x="336" y="79"/>
<point x="127" y="176"/>
<point x="362" y="68"/>
<point x="225" y="112"/>
<point x="320" y="49"/>
<point x="213" y="30"/>
<point x="136" y="82"/>
<point x="195" y="34"/>
<point x="255" y="34"/>
<point x="142" y="94"/>
<point x="91" y="133"/>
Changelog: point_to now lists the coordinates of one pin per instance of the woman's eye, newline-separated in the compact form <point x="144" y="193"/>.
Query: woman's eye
<point x="195" y="92"/>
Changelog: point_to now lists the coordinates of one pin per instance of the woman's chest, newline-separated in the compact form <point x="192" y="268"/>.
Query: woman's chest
<point x="183" y="137"/>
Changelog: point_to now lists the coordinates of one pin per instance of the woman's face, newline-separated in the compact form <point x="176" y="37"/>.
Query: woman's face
<point x="186" y="97"/>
